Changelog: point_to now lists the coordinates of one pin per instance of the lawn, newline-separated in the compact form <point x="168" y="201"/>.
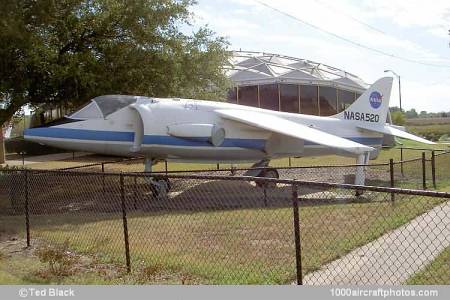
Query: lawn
<point x="438" y="272"/>
<point x="29" y="270"/>
<point x="252" y="246"/>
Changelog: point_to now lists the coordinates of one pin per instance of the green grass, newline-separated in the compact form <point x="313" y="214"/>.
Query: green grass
<point x="29" y="270"/>
<point x="252" y="246"/>
<point x="437" y="272"/>
<point x="432" y="131"/>
<point x="223" y="247"/>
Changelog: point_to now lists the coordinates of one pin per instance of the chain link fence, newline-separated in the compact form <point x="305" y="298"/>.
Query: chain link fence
<point x="199" y="229"/>
<point x="415" y="168"/>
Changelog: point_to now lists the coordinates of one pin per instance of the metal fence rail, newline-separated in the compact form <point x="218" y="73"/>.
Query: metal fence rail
<point x="228" y="230"/>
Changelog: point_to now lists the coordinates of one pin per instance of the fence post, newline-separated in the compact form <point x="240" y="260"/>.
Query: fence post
<point x="401" y="161"/>
<point x="218" y="166"/>
<point x="424" y="177"/>
<point x="125" y="224"/>
<point x="27" y="215"/>
<point x="135" y="192"/>
<point x="433" y="168"/>
<point x="290" y="164"/>
<point x="298" y="253"/>
<point x="165" y="166"/>
<point x="391" y="172"/>
<point x="103" y="177"/>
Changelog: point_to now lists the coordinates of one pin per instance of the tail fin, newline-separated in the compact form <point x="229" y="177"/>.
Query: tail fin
<point x="372" y="106"/>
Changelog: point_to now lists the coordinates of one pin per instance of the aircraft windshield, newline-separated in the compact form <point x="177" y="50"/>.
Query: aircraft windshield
<point x="89" y="111"/>
<point x="112" y="103"/>
<point x="102" y="106"/>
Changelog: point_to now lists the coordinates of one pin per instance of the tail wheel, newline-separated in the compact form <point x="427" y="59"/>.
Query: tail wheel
<point x="268" y="173"/>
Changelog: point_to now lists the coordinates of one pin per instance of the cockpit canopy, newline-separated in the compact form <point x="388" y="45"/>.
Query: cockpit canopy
<point x="102" y="106"/>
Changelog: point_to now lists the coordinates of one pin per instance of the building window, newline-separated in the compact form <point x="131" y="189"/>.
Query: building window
<point x="268" y="96"/>
<point x="232" y="95"/>
<point x="345" y="99"/>
<point x="248" y="95"/>
<point x="327" y="101"/>
<point x="309" y="104"/>
<point x="289" y="98"/>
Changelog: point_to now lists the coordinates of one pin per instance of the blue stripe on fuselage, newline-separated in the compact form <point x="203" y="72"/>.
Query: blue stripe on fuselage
<point x="119" y="136"/>
<point x="81" y="134"/>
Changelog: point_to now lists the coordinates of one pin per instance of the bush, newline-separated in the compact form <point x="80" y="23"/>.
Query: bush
<point x="58" y="258"/>
<point x="20" y="145"/>
<point x="430" y="132"/>
<point x="148" y="273"/>
<point x="444" y="138"/>
<point x="398" y="118"/>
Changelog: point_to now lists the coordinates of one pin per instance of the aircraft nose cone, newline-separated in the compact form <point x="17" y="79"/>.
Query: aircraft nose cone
<point x="38" y="134"/>
<point x="32" y="134"/>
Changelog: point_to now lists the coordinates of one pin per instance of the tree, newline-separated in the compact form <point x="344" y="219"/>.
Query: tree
<point x="423" y="114"/>
<point x="394" y="108"/>
<point x="412" y="113"/>
<point x="398" y="118"/>
<point x="69" y="51"/>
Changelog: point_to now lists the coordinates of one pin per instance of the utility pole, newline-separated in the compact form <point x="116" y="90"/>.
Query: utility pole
<point x="399" y="87"/>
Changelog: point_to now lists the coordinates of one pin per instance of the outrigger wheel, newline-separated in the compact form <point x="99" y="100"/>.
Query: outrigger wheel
<point x="267" y="173"/>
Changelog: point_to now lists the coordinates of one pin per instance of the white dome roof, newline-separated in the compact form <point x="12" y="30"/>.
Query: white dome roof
<point x="247" y="68"/>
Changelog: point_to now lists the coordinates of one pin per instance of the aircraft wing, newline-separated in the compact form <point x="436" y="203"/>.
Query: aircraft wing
<point x="292" y="129"/>
<point x="389" y="130"/>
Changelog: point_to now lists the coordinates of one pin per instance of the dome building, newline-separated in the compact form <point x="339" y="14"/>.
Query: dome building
<point x="291" y="84"/>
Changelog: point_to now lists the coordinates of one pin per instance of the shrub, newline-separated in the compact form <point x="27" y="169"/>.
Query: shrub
<point x="398" y="118"/>
<point x="19" y="145"/>
<point x="148" y="273"/>
<point x="430" y="132"/>
<point x="58" y="259"/>
<point x="444" y="138"/>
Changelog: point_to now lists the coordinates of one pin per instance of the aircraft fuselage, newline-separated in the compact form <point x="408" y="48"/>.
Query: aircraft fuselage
<point x="191" y="130"/>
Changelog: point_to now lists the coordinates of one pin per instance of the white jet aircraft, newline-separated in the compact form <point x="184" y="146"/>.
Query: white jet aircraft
<point x="206" y="131"/>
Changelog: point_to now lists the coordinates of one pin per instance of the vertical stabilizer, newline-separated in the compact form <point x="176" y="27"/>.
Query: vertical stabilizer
<point x="372" y="106"/>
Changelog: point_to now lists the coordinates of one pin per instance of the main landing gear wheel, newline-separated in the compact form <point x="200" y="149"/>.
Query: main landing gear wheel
<point x="160" y="186"/>
<point x="267" y="173"/>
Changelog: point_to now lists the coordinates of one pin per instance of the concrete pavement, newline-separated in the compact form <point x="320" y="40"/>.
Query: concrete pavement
<point x="392" y="258"/>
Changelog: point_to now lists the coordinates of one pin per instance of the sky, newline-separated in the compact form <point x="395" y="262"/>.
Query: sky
<point x="409" y="37"/>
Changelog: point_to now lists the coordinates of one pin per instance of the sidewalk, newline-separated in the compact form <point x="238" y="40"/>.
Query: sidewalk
<point x="392" y="258"/>
<point x="43" y="158"/>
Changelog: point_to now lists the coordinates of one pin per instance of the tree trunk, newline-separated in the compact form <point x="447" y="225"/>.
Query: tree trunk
<point x="2" y="146"/>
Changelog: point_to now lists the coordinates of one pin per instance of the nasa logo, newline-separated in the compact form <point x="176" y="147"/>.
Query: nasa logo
<point x="375" y="99"/>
